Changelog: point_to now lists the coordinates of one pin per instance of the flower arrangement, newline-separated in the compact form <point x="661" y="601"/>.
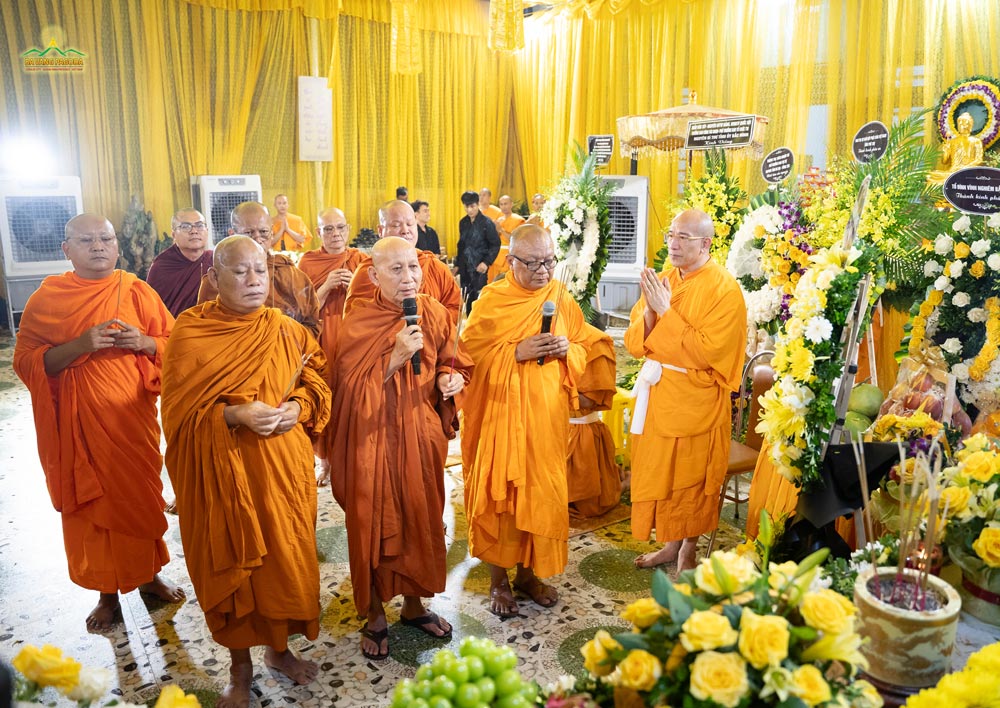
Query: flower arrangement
<point x="971" y="503"/>
<point x="798" y="410"/>
<point x="841" y="573"/>
<point x="732" y="633"/>
<point x="980" y="91"/>
<point x="960" y="313"/>
<point x="978" y="684"/>
<point x="579" y="218"/>
<point x="40" y="668"/>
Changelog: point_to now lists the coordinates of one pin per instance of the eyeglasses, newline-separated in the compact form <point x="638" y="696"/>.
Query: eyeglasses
<point x="185" y="226"/>
<point x="668" y="237"/>
<point x="88" y="241"/>
<point x="535" y="266"/>
<point x="253" y="233"/>
<point x="340" y="228"/>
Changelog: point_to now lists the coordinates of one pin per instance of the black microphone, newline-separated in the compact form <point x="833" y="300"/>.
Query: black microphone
<point x="410" y="315"/>
<point x="548" y="311"/>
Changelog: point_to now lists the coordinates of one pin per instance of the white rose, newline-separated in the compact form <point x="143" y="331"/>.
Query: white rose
<point x="962" y="223"/>
<point x="818" y="329"/>
<point x="994" y="261"/>
<point x="93" y="684"/>
<point x="956" y="269"/>
<point x="976" y="314"/>
<point x="943" y="244"/>
<point x="942" y="283"/>
<point x="994" y="221"/>
<point x="932" y="268"/>
<point x="961" y="372"/>
<point x="960" y="299"/>
<point x="952" y="346"/>
<point x="981" y="247"/>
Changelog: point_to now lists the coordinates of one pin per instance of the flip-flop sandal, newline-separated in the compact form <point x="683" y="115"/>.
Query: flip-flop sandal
<point x="510" y="594"/>
<point x="377" y="636"/>
<point x="535" y="595"/>
<point x="424" y="622"/>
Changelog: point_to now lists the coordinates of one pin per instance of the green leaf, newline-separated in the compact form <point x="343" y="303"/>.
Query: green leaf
<point x="722" y="575"/>
<point x="793" y="702"/>
<point x="811" y="561"/>
<point x="632" y="640"/>
<point x="733" y="613"/>
<point x="803" y="633"/>
<point x="661" y="588"/>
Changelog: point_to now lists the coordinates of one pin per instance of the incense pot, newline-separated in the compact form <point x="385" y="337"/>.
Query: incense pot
<point x="906" y="649"/>
<point x="979" y="592"/>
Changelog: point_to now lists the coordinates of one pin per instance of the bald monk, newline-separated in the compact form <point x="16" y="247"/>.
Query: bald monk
<point x="330" y="269"/>
<point x="89" y="350"/>
<point x="595" y="486"/>
<point x="516" y="423"/>
<point x="291" y="290"/>
<point x="490" y="211"/>
<point x="243" y="392"/>
<point x="506" y="223"/>
<point x="537" y="202"/>
<point x="290" y="230"/>
<point x="690" y="325"/>
<point x="176" y="273"/>
<point x="391" y="428"/>
<point x="396" y="218"/>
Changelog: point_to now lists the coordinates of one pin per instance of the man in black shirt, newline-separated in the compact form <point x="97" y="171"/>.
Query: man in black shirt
<point x="478" y="245"/>
<point x="427" y="238"/>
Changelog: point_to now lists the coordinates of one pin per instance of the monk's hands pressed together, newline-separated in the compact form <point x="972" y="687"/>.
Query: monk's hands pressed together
<point x="450" y="384"/>
<point x="338" y="278"/>
<point x="131" y="337"/>
<point x="289" y="418"/>
<point x="656" y="291"/>
<point x="100" y="336"/>
<point x="545" y="344"/>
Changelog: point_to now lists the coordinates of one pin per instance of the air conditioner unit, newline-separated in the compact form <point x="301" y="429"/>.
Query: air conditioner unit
<point x="216" y="195"/>
<point x="629" y="206"/>
<point x="33" y="216"/>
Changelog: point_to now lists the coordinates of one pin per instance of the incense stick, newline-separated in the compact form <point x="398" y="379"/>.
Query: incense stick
<point x="118" y="305"/>
<point x="458" y="329"/>
<point x="294" y="380"/>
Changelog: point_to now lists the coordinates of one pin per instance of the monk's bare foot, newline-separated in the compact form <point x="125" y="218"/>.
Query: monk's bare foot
<point x="237" y="693"/>
<point x="106" y="615"/>
<point x="687" y="558"/>
<point x="163" y="589"/>
<point x="667" y="554"/>
<point x="301" y="671"/>
<point x="171" y="507"/>
<point x="323" y="478"/>
<point x="528" y="583"/>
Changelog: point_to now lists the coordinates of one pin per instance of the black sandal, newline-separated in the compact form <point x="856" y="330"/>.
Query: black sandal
<point x="423" y="623"/>
<point x="378" y="636"/>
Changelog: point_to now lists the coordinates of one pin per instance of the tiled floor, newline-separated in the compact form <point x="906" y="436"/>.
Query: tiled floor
<point x="159" y="644"/>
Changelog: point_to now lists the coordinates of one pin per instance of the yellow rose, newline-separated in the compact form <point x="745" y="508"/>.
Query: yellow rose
<point x="644" y="613"/>
<point x="809" y="685"/>
<point x="977" y="269"/>
<point x="828" y="611"/>
<point x="987" y="547"/>
<point x="719" y="677"/>
<point x="980" y="466"/>
<point x="707" y="630"/>
<point x="741" y="571"/>
<point x="596" y="654"/>
<point x="763" y="639"/>
<point x="639" y="670"/>
<point x="48" y="667"/>
<point x="973" y="443"/>
<point x="961" y="249"/>
<point x="869" y="696"/>
<point x="956" y="499"/>
<point x="173" y="697"/>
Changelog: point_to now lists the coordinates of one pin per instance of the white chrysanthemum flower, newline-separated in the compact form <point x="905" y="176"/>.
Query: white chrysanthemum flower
<point x="943" y="244"/>
<point x="952" y="345"/>
<point x="976" y="314"/>
<point x="961" y="372"/>
<point x="92" y="685"/>
<point x="932" y="268"/>
<point x="962" y="224"/>
<point x="980" y="248"/>
<point x="994" y="221"/>
<point x="956" y="269"/>
<point x="818" y="329"/>
<point x="960" y="299"/>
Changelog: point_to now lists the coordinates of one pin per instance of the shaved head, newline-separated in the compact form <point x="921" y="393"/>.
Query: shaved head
<point x="329" y="213"/>
<point x="231" y="247"/>
<point x="83" y="224"/>
<point x="689" y="240"/>
<point x="532" y="245"/>
<point x="527" y="236"/>
<point x="252" y="219"/>
<point x="396" y="218"/>
<point x="91" y="245"/>
<point x="395" y="269"/>
<point x="506" y="204"/>
<point x="239" y="273"/>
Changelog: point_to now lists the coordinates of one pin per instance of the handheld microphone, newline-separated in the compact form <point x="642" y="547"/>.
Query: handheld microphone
<point x="410" y="315"/>
<point x="548" y="312"/>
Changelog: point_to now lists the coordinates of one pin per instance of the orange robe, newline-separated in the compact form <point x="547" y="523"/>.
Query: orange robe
<point x="438" y="282"/>
<point x="515" y="430"/>
<point x="296" y="224"/>
<point x="594" y="484"/>
<point x="290" y="290"/>
<point x="505" y="227"/>
<point x="98" y="438"/>
<point x="246" y="504"/>
<point x="318" y="265"/>
<point x="680" y="460"/>
<point x="388" y="447"/>
<point x="492" y="212"/>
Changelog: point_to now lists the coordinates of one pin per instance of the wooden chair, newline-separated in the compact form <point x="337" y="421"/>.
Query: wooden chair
<point x="743" y="456"/>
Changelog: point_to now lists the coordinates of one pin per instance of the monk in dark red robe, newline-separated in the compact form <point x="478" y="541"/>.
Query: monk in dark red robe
<point x="89" y="350"/>
<point x="176" y="273"/>
<point x="243" y="392"/>
<point x="391" y="427"/>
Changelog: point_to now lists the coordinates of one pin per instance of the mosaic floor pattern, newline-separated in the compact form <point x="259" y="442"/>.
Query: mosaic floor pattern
<point x="159" y="644"/>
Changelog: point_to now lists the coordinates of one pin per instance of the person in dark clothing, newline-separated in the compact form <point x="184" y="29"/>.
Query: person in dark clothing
<point x="478" y="245"/>
<point x="427" y="238"/>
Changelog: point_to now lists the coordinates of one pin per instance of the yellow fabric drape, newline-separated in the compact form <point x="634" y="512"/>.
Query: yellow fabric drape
<point x="506" y="25"/>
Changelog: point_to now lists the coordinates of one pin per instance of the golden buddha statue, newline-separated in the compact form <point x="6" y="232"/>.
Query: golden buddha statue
<point x="964" y="150"/>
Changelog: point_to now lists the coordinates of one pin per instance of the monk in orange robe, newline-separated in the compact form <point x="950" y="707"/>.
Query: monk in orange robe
<point x="330" y="269"/>
<point x="243" y="390"/>
<point x="506" y="223"/>
<point x="690" y="325"/>
<point x="515" y="428"/>
<point x="595" y="486"/>
<point x="89" y="350"/>
<point x="291" y="290"/>
<point x="391" y="427"/>
<point x="290" y="230"/>
<point x="396" y="218"/>
<point x="490" y="211"/>
<point x="537" y="202"/>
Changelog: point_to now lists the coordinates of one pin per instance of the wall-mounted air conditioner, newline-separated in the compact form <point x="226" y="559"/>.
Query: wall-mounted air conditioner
<point x="33" y="216"/>
<point x="629" y="205"/>
<point x="216" y="195"/>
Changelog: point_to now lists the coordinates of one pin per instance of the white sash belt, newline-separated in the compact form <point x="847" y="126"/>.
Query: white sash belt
<point x="592" y="417"/>
<point x="649" y="375"/>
